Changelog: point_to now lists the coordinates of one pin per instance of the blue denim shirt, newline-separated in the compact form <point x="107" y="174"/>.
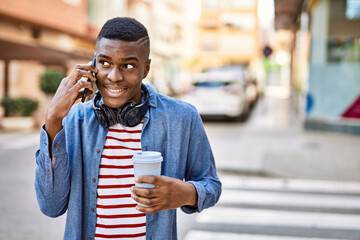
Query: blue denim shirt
<point x="171" y="127"/>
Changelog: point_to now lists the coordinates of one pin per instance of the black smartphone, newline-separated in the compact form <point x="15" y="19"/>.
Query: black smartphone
<point x="86" y="89"/>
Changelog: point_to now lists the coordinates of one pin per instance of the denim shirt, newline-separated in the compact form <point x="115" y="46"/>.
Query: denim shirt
<point x="171" y="127"/>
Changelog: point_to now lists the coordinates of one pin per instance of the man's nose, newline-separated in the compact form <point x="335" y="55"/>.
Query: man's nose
<point x="115" y="75"/>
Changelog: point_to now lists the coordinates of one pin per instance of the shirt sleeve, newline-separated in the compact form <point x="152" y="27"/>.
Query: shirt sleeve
<point x="52" y="178"/>
<point x="201" y="170"/>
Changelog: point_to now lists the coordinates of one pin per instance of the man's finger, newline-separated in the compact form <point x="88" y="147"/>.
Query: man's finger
<point x="82" y="84"/>
<point x="146" y="179"/>
<point x="86" y="67"/>
<point x="78" y="74"/>
<point x="153" y="209"/>
<point x="142" y="200"/>
<point x="142" y="192"/>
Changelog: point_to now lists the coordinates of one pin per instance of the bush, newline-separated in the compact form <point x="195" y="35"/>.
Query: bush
<point x="19" y="106"/>
<point x="27" y="106"/>
<point x="11" y="106"/>
<point x="50" y="81"/>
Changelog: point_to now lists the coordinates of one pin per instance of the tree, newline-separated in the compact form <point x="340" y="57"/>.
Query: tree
<point x="50" y="81"/>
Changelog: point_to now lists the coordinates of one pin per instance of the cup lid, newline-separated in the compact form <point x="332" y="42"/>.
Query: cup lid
<point x="147" y="157"/>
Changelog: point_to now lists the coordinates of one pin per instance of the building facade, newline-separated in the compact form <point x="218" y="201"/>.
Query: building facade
<point x="325" y="60"/>
<point x="334" y="84"/>
<point x="228" y="33"/>
<point x="37" y="35"/>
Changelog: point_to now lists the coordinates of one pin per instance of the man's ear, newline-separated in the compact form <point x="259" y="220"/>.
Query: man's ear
<point x="147" y="68"/>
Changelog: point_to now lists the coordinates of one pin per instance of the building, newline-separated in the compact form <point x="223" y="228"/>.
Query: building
<point x="328" y="31"/>
<point x="38" y="35"/>
<point x="169" y="44"/>
<point x="228" y="33"/>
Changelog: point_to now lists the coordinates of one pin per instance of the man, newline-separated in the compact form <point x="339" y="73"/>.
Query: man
<point x="84" y="161"/>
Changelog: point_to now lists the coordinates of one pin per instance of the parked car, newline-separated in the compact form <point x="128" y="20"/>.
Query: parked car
<point x="219" y="93"/>
<point x="245" y="77"/>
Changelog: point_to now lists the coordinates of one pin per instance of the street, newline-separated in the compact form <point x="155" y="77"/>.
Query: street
<point x="268" y="209"/>
<point x="264" y="197"/>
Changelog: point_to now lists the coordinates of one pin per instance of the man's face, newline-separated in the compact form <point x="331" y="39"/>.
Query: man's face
<point x="121" y="68"/>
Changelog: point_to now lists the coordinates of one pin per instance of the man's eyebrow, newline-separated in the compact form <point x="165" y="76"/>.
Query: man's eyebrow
<point x="104" y="56"/>
<point x="124" y="59"/>
<point x="131" y="58"/>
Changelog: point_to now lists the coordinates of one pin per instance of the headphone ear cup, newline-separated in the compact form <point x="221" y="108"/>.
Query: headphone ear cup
<point x="122" y="112"/>
<point x="101" y="117"/>
<point x="99" y="111"/>
<point x="132" y="117"/>
<point x="110" y="115"/>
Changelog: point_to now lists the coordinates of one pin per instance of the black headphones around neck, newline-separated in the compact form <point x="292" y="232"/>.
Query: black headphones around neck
<point x="129" y="115"/>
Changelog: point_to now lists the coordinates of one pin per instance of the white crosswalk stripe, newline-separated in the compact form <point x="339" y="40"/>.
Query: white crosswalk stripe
<point x="279" y="218"/>
<point x="202" y="235"/>
<point x="269" y="209"/>
<point x="290" y="199"/>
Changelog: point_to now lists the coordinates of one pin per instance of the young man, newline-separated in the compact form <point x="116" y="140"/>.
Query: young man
<point x="84" y="162"/>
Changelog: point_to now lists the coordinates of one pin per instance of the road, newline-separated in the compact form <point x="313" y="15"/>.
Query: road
<point x="20" y="217"/>
<point x="260" y="208"/>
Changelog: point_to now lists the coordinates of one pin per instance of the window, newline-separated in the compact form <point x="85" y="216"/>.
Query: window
<point x="352" y="9"/>
<point x="244" y="21"/>
<point x="209" y="43"/>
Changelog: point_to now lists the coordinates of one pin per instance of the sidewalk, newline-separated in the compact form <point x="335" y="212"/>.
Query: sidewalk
<point x="273" y="142"/>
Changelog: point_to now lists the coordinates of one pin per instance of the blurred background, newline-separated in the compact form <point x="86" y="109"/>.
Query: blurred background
<point x="275" y="81"/>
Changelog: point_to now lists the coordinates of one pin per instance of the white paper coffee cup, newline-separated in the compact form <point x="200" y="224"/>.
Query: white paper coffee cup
<point x="147" y="163"/>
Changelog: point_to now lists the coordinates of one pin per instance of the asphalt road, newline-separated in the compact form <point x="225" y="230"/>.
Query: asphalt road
<point x="20" y="217"/>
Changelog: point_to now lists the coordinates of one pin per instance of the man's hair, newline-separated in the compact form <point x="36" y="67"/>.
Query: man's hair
<point x="125" y="29"/>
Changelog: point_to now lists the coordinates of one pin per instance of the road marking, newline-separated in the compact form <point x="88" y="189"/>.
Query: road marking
<point x="279" y="184"/>
<point x="290" y="199"/>
<point x="203" y="235"/>
<point x="221" y="215"/>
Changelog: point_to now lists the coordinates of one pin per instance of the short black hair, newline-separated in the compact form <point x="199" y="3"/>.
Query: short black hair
<point x="125" y="29"/>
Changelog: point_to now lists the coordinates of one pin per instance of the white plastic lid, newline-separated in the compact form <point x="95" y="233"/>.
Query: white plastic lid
<point x="147" y="157"/>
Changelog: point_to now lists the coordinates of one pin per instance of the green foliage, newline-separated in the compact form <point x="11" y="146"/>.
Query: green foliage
<point x="50" y="81"/>
<point x="19" y="106"/>
<point x="27" y="106"/>
<point x="270" y="65"/>
<point x="11" y="106"/>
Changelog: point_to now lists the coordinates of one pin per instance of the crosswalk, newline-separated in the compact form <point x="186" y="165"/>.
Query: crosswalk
<point x="267" y="209"/>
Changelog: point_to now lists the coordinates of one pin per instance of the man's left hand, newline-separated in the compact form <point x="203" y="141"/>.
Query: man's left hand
<point x="169" y="193"/>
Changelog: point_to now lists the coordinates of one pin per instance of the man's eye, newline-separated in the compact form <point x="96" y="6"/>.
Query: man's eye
<point x="104" y="63"/>
<point x="129" y="66"/>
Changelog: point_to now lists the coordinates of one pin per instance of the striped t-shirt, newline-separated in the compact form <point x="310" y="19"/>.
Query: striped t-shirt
<point x="117" y="217"/>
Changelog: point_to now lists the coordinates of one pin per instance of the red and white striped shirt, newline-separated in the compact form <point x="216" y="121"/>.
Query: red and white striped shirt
<point x="117" y="217"/>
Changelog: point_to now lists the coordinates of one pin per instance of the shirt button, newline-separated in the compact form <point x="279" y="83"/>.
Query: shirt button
<point x="93" y="180"/>
<point x="92" y="210"/>
<point x="97" y="150"/>
<point x="56" y="145"/>
<point x="89" y="238"/>
<point x="49" y="172"/>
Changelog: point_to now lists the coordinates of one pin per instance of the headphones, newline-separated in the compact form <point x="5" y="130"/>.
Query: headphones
<point x="128" y="115"/>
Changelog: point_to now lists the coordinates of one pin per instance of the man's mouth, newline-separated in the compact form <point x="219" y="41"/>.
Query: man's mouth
<point x="115" y="90"/>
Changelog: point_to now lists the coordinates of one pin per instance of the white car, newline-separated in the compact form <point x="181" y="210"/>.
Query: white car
<point x="219" y="93"/>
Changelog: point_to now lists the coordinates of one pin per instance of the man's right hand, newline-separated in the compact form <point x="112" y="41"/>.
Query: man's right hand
<point x="66" y="95"/>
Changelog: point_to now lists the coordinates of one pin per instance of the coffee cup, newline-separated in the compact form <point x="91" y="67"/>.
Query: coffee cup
<point x="147" y="163"/>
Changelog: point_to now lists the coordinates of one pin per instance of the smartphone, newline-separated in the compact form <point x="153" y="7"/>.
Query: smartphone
<point x="86" y="89"/>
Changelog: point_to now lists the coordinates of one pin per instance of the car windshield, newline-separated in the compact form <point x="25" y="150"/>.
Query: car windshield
<point x="212" y="84"/>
